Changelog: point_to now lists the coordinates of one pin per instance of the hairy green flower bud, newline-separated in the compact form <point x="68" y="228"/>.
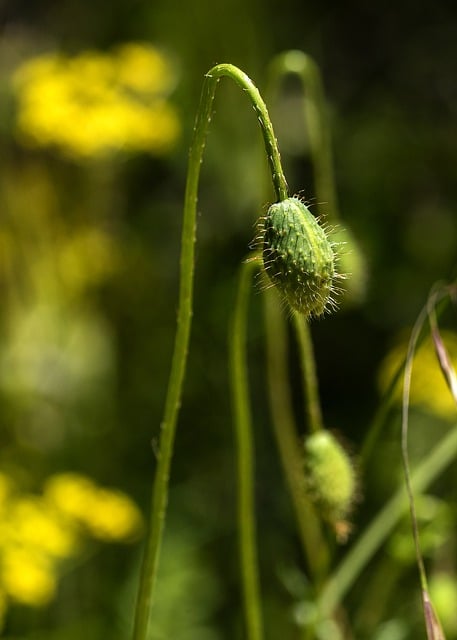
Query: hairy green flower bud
<point x="330" y="479"/>
<point x="298" y="257"/>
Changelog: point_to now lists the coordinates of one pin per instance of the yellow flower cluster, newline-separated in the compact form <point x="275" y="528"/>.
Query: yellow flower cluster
<point x="37" y="533"/>
<point x="428" y="386"/>
<point x="96" y="103"/>
<point x="106" y="514"/>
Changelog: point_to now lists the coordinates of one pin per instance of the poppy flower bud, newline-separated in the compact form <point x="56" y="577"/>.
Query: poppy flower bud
<point x="298" y="257"/>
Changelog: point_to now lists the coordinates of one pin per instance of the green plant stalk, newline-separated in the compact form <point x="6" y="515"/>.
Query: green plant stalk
<point x="372" y="538"/>
<point x="303" y="66"/>
<point x="314" y="546"/>
<point x="244" y="442"/>
<point x="308" y="366"/>
<point x="179" y="360"/>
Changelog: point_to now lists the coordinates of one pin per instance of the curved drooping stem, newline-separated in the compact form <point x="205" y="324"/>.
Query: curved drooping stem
<point x="204" y="117"/>
<point x="178" y="366"/>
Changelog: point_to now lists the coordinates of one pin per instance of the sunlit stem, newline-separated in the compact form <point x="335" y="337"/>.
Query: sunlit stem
<point x="178" y="366"/>
<point x="245" y="457"/>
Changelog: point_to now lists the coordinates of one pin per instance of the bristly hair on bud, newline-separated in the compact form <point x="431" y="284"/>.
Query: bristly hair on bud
<point x="298" y="257"/>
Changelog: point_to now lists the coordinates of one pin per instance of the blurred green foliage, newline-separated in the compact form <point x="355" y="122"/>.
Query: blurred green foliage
<point x="89" y="250"/>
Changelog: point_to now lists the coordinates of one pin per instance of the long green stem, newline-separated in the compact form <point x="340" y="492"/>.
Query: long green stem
<point x="178" y="367"/>
<point x="370" y="541"/>
<point x="244" y="440"/>
<point x="288" y="441"/>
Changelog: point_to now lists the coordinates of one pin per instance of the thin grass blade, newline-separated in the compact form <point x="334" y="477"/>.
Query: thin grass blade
<point x="444" y="358"/>
<point x="432" y="624"/>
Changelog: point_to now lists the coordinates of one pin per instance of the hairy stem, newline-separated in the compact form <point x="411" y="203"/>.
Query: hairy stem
<point x="178" y="366"/>
<point x="244" y="440"/>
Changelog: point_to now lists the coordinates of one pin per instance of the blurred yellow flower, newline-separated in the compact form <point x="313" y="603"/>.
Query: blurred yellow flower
<point x="428" y="387"/>
<point x="143" y="69"/>
<point x="113" y="516"/>
<point x="37" y="533"/>
<point x="94" y="103"/>
<point x="27" y="577"/>
<point x="35" y="525"/>
<point x="107" y="514"/>
<point x="70" y="493"/>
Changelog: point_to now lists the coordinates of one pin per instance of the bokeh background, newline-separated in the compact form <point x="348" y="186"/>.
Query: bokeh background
<point x="97" y="104"/>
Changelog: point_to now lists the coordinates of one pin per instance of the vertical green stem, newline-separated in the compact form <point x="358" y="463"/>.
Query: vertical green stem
<point x="287" y="438"/>
<point x="178" y="366"/>
<point x="312" y="403"/>
<point x="244" y="440"/>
